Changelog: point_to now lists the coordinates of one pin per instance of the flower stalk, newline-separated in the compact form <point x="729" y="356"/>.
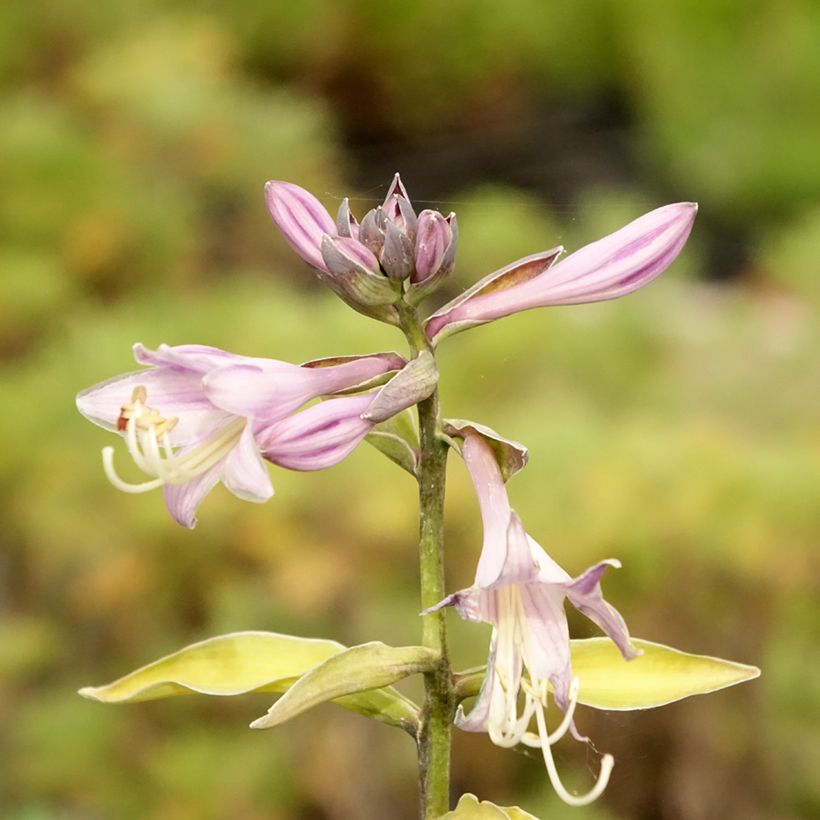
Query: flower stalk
<point x="435" y="730"/>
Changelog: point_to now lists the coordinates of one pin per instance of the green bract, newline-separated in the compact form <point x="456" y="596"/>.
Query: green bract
<point x="243" y="662"/>
<point x="659" y="676"/>
<point x="469" y="808"/>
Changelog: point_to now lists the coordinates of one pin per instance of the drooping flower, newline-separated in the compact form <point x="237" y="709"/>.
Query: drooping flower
<point x="193" y="416"/>
<point x="520" y="590"/>
<point x="611" y="267"/>
<point x="365" y="263"/>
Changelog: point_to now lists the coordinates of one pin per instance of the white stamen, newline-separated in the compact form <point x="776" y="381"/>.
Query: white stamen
<point x="504" y="725"/>
<point x="147" y="441"/>
<point x="607" y="762"/>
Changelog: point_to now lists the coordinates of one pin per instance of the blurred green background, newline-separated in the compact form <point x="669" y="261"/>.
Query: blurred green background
<point x="676" y="430"/>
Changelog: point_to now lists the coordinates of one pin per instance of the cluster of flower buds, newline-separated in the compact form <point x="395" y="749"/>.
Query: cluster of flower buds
<point x="392" y="254"/>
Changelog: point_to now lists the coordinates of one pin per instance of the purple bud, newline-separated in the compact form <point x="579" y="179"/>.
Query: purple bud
<point x="301" y="218"/>
<point x="432" y="242"/>
<point x="342" y="254"/>
<point x="371" y="231"/>
<point x="397" y="253"/>
<point x="353" y="274"/>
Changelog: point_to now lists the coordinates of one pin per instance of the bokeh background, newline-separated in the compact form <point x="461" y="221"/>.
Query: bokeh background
<point x="676" y="429"/>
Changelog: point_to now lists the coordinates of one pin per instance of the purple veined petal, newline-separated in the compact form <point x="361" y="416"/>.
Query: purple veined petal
<point x="198" y="358"/>
<point x="585" y="594"/>
<point x="374" y="363"/>
<point x="520" y="565"/>
<point x="183" y="500"/>
<point x="346" y="222"/>
<point x="476" y="719"/>
<point x="501" y="682"/>
<point x="267" y="393"/>
<point x="613" y="266"/>
<point x="493" y="504"/>
<point x="301" y="219"/>
<point x="433" y="239"/>
<point x="546" y="650"/>
<point x="549" y="571"/>
<point x="173" y="393"/>
<point x="318" y="437"/>
<point x="448" y="319"/>
<point x="472" y="604"/>
<point x="270" y="390"/>
<point x="243" y="471"/>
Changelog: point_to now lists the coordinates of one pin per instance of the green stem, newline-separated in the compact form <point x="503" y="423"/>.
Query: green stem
<point x="439" y="701"/>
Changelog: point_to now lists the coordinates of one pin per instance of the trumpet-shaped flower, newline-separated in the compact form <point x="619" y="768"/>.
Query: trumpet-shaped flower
<point x="520" y="590"/>
<point x="611" y="267"/>
<point x="194" y="416"/>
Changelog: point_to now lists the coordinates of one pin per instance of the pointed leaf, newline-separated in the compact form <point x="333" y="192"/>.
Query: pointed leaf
<point x="242" y="662"/>
<point x="358" y="669"/>
<point x="659" y="676"/>
<point x="469" y="808"/>
<point x="225" y="665"/>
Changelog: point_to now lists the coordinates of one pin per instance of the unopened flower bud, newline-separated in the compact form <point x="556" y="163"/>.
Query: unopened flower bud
<point x="353" y="273"/>
<point x="397" y="253"/>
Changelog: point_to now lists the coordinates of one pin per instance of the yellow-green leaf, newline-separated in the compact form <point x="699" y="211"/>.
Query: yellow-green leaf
<point x="469" y="808"/>
<point x="659" y="676"/>
<point x="358" y="669"/>
<point x="244" y="662"/>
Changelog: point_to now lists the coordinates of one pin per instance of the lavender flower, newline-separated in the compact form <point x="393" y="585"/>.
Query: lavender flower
<point x="520" y="590"/>
<point x="194" y="417"/>
<point x="611" y="267"/>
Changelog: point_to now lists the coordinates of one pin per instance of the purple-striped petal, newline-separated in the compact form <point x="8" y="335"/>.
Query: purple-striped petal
<point x="171" y="392"/>
<point x="585" y="594"/>
<point x="433" y="239"/>
<point x="197" y="358"/>
<point x="611" y="267"/>
<point x="318" y="437"/>
<point x="301" y="218"/>
<point x="270" y="390"/>
<point x="493" y="504"/>
<point x="448" y="319"/>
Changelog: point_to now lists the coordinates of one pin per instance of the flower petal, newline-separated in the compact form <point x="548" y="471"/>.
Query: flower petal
<point x="611" y="267"/>
<point x="585" y="594"/>
<point x="269" y="393"/>
<point x="197" y="358"/>
<point x="318" y="437"/>
<point x="493" y="504"/>
<point x="243" y="471"/>
<point x="301" y="218"/>
<point x="270" y="390"/>
<point x="433" y="238"/>
<point x="182" y="500"/>
<point x="172" y="392"/>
